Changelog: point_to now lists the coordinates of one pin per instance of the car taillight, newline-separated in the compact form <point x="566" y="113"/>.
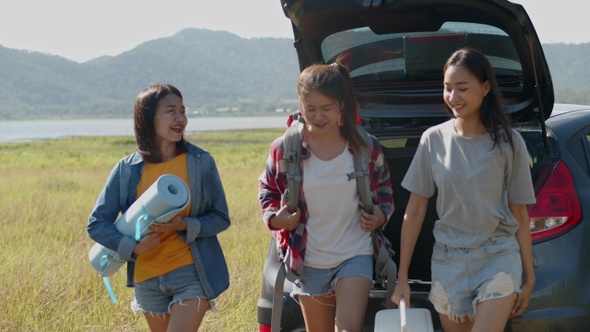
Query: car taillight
<point x="264" y="328"/>
<point x="558" y="207"/>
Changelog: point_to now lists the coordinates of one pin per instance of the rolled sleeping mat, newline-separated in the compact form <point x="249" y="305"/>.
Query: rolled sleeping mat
<point x="163" y="200"/>
<point x="104" y="260"/>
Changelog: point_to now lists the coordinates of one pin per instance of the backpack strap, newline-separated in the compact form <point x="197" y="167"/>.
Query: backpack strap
<point x="277" y="298"/>
<point x="361" y="171"/>
<point x="292" y="154"/>
<point x="384" y="268"/>
<point x="293" y="140"/>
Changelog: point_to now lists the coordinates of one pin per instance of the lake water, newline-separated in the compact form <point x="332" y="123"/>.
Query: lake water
<point x="18" y="131"/>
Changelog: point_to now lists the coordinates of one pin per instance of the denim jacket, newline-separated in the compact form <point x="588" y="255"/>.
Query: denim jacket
<point x="208" y="217"/>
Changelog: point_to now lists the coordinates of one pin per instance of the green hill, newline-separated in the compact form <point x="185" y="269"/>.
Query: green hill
<point x="213" y="69"/>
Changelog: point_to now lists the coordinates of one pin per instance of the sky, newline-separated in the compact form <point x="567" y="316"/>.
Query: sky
<point x="82" y="30"/>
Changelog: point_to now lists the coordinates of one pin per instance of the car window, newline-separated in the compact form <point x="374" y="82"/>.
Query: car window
<point x="587" y="170"/>
<point x="579" y="148"/>
<point x="419" y="56"/>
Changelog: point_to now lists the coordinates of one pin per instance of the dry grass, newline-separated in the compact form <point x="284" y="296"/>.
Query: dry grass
<point x="47" y="190"/>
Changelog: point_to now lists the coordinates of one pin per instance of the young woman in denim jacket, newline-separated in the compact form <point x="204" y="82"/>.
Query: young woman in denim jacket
<point x="184" y="254"/>
<point x="335" y="250"/>
<point x="482" y="262"/>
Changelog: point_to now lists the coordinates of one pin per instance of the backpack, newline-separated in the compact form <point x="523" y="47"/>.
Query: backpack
<point x="384" y="266"/>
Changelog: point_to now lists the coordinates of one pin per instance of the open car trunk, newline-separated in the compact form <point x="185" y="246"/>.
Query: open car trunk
<point x="395" y="51"/>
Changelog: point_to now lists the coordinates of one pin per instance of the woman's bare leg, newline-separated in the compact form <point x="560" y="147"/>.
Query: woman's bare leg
<point x="318" y="312"/>
<point x="187" y="315"/>
<point x="352" y="295"/>
<point x="157" y="322"/>
<point x="492" y="315"/>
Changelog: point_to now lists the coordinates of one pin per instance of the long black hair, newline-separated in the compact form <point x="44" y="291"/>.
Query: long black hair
<point x="144" y="116"/>
<point x="492" y="112"/>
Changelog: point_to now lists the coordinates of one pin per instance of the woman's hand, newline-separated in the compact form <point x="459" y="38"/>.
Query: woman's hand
<point x="402" y="290"/>
<point x="285" y="220"/>
<point x="522" y="299"/>
<point x="370" y="222"/>
<point x="148" y="243"/>
<point x="152" y="240"/>
<point x="176" y="224"/>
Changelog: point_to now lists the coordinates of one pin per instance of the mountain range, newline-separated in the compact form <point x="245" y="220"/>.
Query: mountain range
<point x="215" y="70"/>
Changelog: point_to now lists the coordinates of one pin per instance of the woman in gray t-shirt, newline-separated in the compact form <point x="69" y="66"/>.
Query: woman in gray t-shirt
<point x="478" y="165"/>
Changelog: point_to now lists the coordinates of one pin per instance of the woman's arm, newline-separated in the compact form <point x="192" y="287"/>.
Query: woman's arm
<point x="101" y="223"/>
<point x="413" y="220"/>
<point x="381" y="183"/>
<point x="270" y="186"/>
<point x="523" y="236"/>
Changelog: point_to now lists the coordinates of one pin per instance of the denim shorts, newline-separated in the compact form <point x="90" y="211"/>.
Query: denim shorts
<point x="461" y="278"/>
<point x="322" y="281"/>
<point x="157" y="295"/>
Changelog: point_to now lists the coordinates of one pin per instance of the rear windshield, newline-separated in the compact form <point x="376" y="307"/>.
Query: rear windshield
<point x="419" y="56"/>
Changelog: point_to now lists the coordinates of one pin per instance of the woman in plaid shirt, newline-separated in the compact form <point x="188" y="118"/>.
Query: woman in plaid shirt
<point x="333" y="256"/>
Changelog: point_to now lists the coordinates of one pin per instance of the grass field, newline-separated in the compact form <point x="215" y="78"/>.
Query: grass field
<point x="47" y="190"/>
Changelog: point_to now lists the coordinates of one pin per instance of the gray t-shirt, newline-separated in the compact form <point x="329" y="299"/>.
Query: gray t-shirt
<point x="475" y="181"/>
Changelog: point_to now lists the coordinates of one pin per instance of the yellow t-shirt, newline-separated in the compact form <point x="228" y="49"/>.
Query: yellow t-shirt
<point x="172" y="252"/>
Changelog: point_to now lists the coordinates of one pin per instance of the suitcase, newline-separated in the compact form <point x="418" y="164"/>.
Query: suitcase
<point x="402" y="320"/>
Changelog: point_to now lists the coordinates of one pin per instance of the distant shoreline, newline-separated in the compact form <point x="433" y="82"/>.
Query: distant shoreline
<point x="190" y="116"/>
<point x="25" y="130"/>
